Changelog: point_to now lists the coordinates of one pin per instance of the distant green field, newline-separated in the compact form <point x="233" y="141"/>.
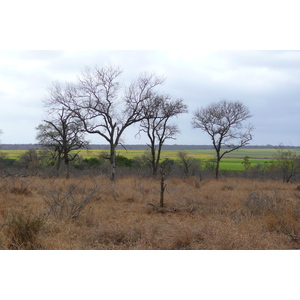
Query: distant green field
<point x="231" y="161"/>
<point x="135" y="153"/>
<point x="235" y="164"/>
<point x="13" y="154"/>
<point x="241" y="153"/>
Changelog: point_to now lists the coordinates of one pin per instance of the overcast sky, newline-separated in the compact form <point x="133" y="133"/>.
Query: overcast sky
<point x="268" y="82"/>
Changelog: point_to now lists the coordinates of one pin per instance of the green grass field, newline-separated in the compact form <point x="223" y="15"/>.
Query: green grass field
<point x="135" y="153"/>
<point x="13" y="154"/>
<point x="231" y="162"/>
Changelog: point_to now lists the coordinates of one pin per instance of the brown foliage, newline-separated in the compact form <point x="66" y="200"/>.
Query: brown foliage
<point x="125" y="214"/>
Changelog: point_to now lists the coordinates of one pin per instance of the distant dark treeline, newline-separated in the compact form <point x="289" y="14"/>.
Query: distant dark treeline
<point x="134" y="147"/>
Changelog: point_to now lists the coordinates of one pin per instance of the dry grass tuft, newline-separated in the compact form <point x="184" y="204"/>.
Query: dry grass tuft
<point x="21" y="230"/>
<point x="95" y="213"/>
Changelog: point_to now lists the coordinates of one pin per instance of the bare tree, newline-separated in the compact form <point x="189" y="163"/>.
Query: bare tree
<point x="158" y="111"/>
<point x="189" y="165"/>
<point x="106" y="109"/>
<point x="62" y="133"/>
<point x="223" y="122"/>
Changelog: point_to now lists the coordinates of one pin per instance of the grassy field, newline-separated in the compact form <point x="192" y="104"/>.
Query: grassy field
<point x="199" y="154"/>
<point x="231" y="162"/>
<point x="93" y="213"/>
<point x="135" y="153"/>
<point x="13" y="154"/>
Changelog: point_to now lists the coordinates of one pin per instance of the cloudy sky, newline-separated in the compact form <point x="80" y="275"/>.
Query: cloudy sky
<point x="268" y="82"/>
<point x="213" y="50"/>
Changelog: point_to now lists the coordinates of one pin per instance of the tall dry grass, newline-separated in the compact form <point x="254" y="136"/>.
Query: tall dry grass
<point x="232" y="213"/>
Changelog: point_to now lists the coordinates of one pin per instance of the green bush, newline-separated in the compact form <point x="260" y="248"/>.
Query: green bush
<point x="92" y="161"/>
<point x="122" y="161"/>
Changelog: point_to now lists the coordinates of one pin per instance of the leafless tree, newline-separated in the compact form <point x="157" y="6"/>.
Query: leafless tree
<point x="158" y="111"/>
<point x="62" y="132"/>
<point x="189" y="165"/>
<point x="106" y="109"/>
<point x="223" y="122"/>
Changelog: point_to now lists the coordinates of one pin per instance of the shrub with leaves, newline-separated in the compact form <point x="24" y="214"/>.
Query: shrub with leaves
<point x="286" y="162"/>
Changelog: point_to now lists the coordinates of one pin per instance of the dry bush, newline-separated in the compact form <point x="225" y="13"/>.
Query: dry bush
<point x="116" y="236"/>
<point x="70" y="200"/>
<point x="16" y="185"/>
<point x="182" y="239"/>
<point x="223" y="234"/>
<point x="258" y="204"/>
<point x="286" y="219"/>
<point x="95" y="213"/>
<point x="274" y="209"/>
<point x="21" y="230"/>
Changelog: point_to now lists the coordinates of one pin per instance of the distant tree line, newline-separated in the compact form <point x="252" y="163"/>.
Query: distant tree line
<point x="285" y="165"/>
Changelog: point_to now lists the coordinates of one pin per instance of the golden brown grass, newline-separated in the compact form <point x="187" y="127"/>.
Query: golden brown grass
<point x="209" y="214"/>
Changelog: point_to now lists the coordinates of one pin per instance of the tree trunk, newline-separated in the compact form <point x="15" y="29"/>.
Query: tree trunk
<point x="67" y="168"/>
<point x="58" y="165"/>
<point x="67" y="164"/>
<point x="153" y="160"/>
<point x="112" y="162"/>
<point x="218" y="164"/>
<point x="158" y="156"/>
<point x="217" y="169"/>
<point x="154" y="167"/>
<point x="162" y="187"/>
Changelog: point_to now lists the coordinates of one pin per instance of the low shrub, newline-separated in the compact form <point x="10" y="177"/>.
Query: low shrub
<point x="22" y="229"/>
<point x="69" y="202"/>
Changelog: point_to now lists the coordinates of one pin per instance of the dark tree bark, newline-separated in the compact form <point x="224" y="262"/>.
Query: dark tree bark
<point x="106" y="109"/>
<point x="223" y="122"/>
<point x="62" y="133"/>
<point x="158" y="111"/>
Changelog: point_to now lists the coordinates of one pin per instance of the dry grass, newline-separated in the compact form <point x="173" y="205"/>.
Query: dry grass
<point x="37" y="213"/>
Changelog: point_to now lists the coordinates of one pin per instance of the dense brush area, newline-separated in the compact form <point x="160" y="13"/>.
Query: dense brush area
<point x="96" y="213"/>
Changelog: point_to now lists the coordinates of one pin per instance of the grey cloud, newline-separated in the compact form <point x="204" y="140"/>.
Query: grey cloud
<point x="262" y="59"/>
<point x="268" y="82"/>
<point x="37" y="54"/>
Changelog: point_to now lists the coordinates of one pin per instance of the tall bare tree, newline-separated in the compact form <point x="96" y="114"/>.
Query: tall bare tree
<point x="158" y="111"/>
<point x="106" y="109"/>
<point x="62" y="133"/>
<point x="223" y="122"/>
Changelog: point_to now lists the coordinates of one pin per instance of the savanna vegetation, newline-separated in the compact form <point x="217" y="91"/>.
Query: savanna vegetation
<point x="67" y="197"/>
<point x="96" y="213"/>
<point x="183" y="207"/>
<point x="270" y="163"/>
